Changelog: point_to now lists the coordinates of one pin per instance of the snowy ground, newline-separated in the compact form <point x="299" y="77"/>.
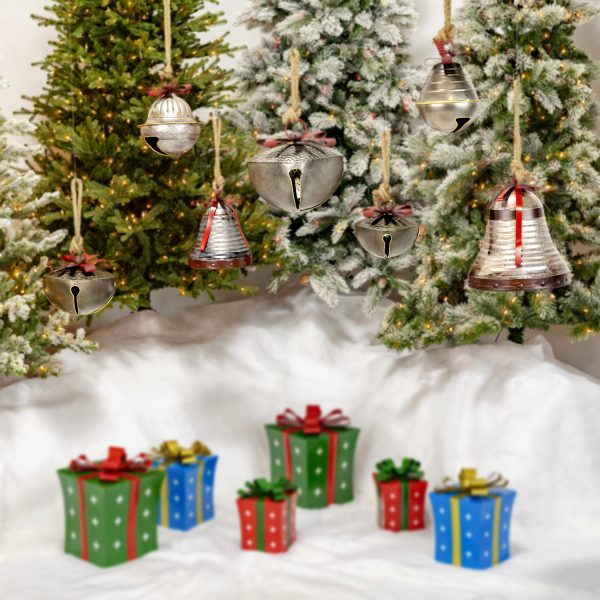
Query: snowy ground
<point x="220" y="372"/>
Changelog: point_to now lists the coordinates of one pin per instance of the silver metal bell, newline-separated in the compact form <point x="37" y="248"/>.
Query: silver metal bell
<point x="79" y="293"/>
<point x="448" y="101"/>
<point x="170" y="129"/>
<point x="296" y="176"/>
<point x="387" y="236"/>
<point x="518" y="254"/>
<point x="221" y="243"/>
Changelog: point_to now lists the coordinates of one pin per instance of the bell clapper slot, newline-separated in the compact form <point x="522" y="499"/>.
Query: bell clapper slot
<point x="387" y="242"/>
<point x="75" y="291"/>
<point x="460" y="123"/>
<point x="295" y="176"/>
<point x="153" y="143"/>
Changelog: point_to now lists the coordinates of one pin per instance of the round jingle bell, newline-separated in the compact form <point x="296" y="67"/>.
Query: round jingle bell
<point x="386" y="233"/>
<point x="448" y="101"/>
<point x="170" y="129"/>
<point x="517" y="252"/>
<point x="297" y="175"/>
<point x="78" y="292"/>
<point x="221" y="244"/>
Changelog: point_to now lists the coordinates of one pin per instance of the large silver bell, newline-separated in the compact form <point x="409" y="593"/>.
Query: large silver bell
<point x="77" y="292"/>
<point x="296" y="176"/>
<point x="221" y="243"/>
<point x="448" y="101"/>
<point x="170" y="129"/>
<point x="387" y="236"/>
<point x="511" y="262"/>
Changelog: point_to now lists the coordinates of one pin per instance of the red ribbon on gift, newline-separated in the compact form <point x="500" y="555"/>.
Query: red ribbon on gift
<point x="86" y="262"/>
<point x="114" y="467"/>
<point x="288" y="137"/>
<point x="212" y="209"/>
<point x="169" y="89"/>
<point x="503" y="197"/>
<point x="388" y="212"/>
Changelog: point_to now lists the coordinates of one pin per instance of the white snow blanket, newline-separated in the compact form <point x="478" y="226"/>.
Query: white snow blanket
<point x="220" y="372"/>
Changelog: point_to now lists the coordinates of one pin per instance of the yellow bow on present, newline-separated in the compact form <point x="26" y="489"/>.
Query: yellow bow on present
<point x="472" y="485"/>
<point x="171" y="451"/>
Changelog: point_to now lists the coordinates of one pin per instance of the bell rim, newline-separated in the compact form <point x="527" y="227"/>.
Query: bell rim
<point x="412" y="224"/>
<point x="217" y="263"/>
<point x="492" y="284"/>
<point x="151" y="123"/>
<point x="465" y="101"/>
<point x="98" y="274"/>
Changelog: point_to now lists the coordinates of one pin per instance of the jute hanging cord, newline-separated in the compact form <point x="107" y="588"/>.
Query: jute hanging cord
<point x="167" y="72"/>
<point x="446" y="34"/>
<point x="293" y="113"/>
<point x="76" y="245"/>
<point x="516" y="165"/>
<point x="218" y="179"/>
<point x="383" y="194"/>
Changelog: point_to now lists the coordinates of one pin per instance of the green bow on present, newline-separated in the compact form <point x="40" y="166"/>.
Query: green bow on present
<point x="171" y="452"/>
<point x="409" y="469"/>
<point x="262" y="489"/>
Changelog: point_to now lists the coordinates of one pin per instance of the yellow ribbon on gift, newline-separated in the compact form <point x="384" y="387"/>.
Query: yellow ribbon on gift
<point x="170" y="452"/>
<point x="471" y="485"/>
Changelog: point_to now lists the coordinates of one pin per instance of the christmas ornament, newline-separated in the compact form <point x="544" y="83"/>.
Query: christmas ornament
<point x="78" y="287"/>
<point x="385" y="232"/>
<point x="448" y="100"/>
<point x="298" y="172"/>
<point x="170" y="129"/>
<point x="517" y="252"/>
<point x="221" y="243"/>
<point x="472" y="520"/>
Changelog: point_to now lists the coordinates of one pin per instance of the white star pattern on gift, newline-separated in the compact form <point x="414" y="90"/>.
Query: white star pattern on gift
<point x="146" y="513"/>
<point x="298" y="469"/>
<point x="95" y="522"/>
<point x="443" y="547"/>
<point x="318" y="471"/>
<point x="272" y="515"/>
<point x="248" y="527"/>
<point x="345" y="445"/>
<point x="190" y="496"/>
<point x="248" y="513"/>
<point x="119" y="499"/>
<point x="148" y="492"/>
<point x="297" y="450"/>
<point x="469" y="534"/>
<point x="317" y="492"/>
<point x="177" y="516"/>
<point x="442" y="510"/>
<point x="278" y="462"/>
<point x="486" y="534"/>
<point x="175" y="481"/>
<point x="96" y="545"/>
<point x="70" y="490"/>
<point x="343" y="485"/>
<point x="72" y="512"/>
<point x="145" y="536"/>
<point x="276" y="443"/>
<point x="118" y="521"/>
<point x="442" y="528"/>
<point x="93" y="499"/>
<point x="468" y="516"/>
<point x="176" y="498"/>
<point x="319" y="451"/>
<point x="117" y="545"/>
<point x="73" y="534"/>
<point x="344" y="465"/>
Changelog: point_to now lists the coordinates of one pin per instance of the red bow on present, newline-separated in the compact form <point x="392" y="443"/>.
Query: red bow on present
<point x="313" y="422"/>
<point x="170" y="88"/>
<point x="86" y="262"/>
<point x="502" y="197"/>
<point x="288" y="137"/>
<point x="113" y="466"/>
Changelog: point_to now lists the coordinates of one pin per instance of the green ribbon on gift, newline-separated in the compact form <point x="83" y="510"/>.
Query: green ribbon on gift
<point x="262" y="488"/>
<point x="408" y="470"/>
<point x="170" y="452"/>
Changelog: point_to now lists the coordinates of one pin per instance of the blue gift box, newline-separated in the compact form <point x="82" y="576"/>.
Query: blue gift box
<point x="472" y="530"/>
<point x="187" y="495"/>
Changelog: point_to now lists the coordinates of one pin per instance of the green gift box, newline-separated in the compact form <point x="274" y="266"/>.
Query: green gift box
<point x="110" y="508"/>
<point x="316" y="453"/>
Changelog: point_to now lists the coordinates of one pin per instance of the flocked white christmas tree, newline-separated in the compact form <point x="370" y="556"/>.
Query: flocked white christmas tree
<point x="30" y="331"/>
<point x="355" y="82"/>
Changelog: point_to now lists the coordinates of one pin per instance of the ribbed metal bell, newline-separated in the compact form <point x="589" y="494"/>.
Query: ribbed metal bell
<point x="296" y="176"/>
<point x="221" y="243"/>
<point x="448" y="101"/>
<point x="387" y="235"/>
<point x="170" y="129"/>
<point x="518" y="254"/>
<point x="77" y="292"/>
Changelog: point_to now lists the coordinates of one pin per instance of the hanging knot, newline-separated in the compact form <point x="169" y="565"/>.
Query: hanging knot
<point x="445" y="36"/>
<point x="383" y="194"/>
<point x="293" y="113"/>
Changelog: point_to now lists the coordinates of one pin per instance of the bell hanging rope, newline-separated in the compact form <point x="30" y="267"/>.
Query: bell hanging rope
<point x="170" y="129"/>
<point x="221" y="243"/>
<point x="448" y="101"/>
<point x="299" y="171"/>
<point x="78" y="286"/>
<point x="385" y="232"/>
<point x="517" y="252"/>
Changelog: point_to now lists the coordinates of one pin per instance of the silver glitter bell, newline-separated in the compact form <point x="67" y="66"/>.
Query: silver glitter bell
<point x="221" y="243"/>
<point x="296" y="176"/>
<point x="517" y="252"/>
<point x="448" y="101"/>
<point x="170" y="129"/>
<point x="387" y="234"/>
<point x="79" y="293"/>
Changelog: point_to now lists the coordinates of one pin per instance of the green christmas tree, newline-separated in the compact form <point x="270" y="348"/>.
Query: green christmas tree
<point x="355" y="82"/>
<point x="29" y="333"/>
<point x="141" y="210"/>
<point x="453" y="178"/>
